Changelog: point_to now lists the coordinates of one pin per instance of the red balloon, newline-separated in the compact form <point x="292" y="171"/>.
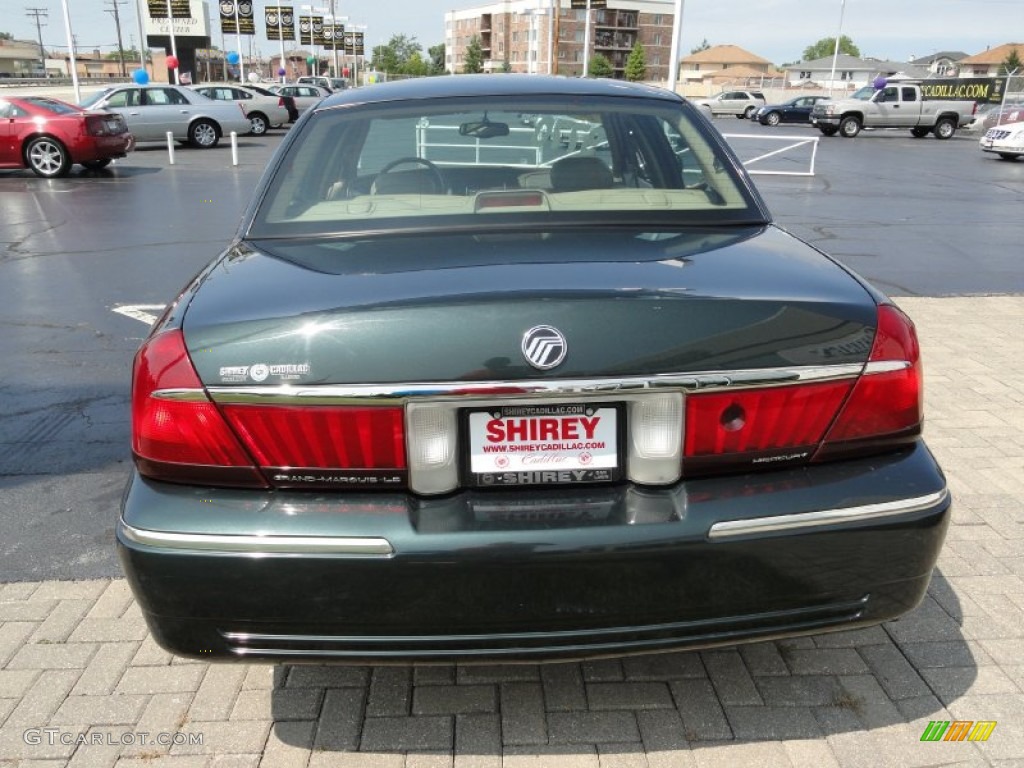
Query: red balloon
<point x="172" y="62"/>
<point x="344" y="72"/>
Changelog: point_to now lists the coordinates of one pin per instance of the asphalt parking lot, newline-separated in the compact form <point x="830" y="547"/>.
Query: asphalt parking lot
<point x="935" y="224"/>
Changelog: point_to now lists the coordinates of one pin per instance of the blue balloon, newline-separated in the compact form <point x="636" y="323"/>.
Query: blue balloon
<point x="233" y="57"/>
<point x="880" y="82"/>
<point x="140" y="76"/>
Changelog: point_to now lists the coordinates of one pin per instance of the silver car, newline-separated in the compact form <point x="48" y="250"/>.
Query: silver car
<point x="742" y="104"/>
<point x="305" y="95"/>
<point x="153" y="111"/>
<point x="263" y="110"/>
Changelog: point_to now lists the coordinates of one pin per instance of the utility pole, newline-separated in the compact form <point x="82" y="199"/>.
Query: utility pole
<point x="113" y="11"/>
<point x="39" y="12"/>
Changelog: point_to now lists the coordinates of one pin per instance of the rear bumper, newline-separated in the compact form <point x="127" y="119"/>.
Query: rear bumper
<point x="539" y="575"/>
<point x="102" y="147"/>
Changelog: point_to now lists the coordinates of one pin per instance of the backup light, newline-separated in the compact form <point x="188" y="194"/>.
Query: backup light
<point x="655" y="438"/>
<point x="431" y="434"/>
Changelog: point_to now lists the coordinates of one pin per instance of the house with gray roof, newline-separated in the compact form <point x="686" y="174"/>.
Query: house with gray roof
<point x="851" y="72"/>
<point x="941" y="64"/>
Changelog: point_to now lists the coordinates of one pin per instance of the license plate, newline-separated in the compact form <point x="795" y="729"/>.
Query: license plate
<point x="986" y="142"/>
<point x="559" y="444"/>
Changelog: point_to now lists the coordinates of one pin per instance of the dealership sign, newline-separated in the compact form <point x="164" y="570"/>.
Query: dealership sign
<point x="190" y="18"/>
<point x="981" y="89"/>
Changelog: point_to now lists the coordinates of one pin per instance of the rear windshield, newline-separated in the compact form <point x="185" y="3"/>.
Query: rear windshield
<point x="440" y="163"/>
<point x="52" y="105"/>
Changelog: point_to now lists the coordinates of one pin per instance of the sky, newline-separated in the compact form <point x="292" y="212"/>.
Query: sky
<point x="777" y="30"/>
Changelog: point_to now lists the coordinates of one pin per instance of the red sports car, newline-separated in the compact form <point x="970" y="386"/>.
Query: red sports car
<point x="49" y="136"/>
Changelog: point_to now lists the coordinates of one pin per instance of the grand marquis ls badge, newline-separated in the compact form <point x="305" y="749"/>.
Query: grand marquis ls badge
<point x="544" y="347"/>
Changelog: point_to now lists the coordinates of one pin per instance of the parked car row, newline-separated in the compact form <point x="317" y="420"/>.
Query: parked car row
<point x="153" y="111"/>
<point x="48" y="136"/>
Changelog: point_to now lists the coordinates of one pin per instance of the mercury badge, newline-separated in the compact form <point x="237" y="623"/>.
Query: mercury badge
<point x="544" y="347"/>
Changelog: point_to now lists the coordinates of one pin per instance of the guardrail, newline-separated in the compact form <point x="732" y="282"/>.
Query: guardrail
<point x="475" y="147"/>
<point x="797" y="142"/>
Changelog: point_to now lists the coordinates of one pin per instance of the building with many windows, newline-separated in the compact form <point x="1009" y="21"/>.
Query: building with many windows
<point x="549" y="36"/>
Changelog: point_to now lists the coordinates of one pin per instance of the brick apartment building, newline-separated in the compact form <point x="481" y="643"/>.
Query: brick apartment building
<point x="517" y="35"/>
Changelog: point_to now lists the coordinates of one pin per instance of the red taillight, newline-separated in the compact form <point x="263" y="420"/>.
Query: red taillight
<point x="778" y="426"/>
<point x="280" y="101"/>
<point x="758" y="426"/>
<point x="886" y="405"/>
<point x="96" y="125"/>
<point x="177" y="432"/>
<point x="321" y="437"/>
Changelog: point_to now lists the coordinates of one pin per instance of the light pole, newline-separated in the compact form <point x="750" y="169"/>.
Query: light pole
<point x="71" y="48"/>
<point x="586" y="42"/>
<point x="357" y="29"/>
<point x="835" y="52"/>
<point x="238" y="46"/>
<point x="142" y="37"/>
<point x="280" y="39"/>
<point x="312" y="34"/>
<point x="334" y="37"/>
<point x="677" y="35"/>
<point x="174" y="45"/>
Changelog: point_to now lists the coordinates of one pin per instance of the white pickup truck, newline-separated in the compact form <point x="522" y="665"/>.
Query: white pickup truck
<point x="897" y="105"/>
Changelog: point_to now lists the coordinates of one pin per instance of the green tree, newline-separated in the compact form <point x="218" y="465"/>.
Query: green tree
<point x="599" y="66"/>
<point x="437" y="63"/>
<point x="415" y="65"/>
<point x="704" y="46"/>
<point x="6" y="36"/>
<point x="395" y="55"/>
<point x="506" y="66"/>
<point x="827" y="47"/>
<point x="636" y="64"/>
<point x="1011" y="63"/>
<point x="473" y="63"/>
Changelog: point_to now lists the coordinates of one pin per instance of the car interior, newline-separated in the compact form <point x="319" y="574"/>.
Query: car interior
<point x="452" y="162"/>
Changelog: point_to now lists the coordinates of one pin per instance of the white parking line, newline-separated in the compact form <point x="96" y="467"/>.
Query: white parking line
<point x="144" y="313"/>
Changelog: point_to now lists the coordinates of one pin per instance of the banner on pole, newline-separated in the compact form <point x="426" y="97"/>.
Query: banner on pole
<point x="246" y="23"/>
<point x="280" y="21"/>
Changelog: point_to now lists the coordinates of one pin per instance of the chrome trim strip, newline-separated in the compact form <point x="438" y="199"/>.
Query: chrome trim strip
<point x="181" y="395"/>
<point x="260" y="545"/>
<point x="886" y="366"/>
<point x="731" y="528"/>
<point x="598" y="387"/>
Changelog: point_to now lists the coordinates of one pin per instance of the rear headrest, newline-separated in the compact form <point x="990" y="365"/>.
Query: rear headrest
<point x="571" y="174"/>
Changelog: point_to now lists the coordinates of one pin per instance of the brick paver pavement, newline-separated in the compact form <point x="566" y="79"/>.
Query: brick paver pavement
<point x="81" y="681"/>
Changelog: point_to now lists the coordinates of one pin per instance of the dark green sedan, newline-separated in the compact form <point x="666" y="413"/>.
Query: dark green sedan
<point x="517" y="367"/>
